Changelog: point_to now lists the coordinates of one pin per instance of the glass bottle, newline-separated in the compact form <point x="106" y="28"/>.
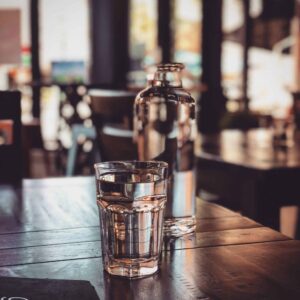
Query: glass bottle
<point x="164" y="126"/>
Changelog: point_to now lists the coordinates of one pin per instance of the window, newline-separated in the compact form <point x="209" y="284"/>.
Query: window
<point x="143" y="49"/>
<point x="64" y="35"/>
<point x="187" y="35"/>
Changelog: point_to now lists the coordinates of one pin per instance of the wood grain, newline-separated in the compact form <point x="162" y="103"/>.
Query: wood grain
<point x="48" y="204"/>
<point x="258" y="271"/>
<point x="218" y="224"/>
<point x="50" y="229"/>
<point x="50" y="237"/>
<point x="276" y="260"/>
<point x="206" y="210"/>
<point x="163" y="285"/>
<point x="69" y="249"/>
<point x="62" y="203"/>
<point x="225" y="237"/>
<point x="251" y="149"/>
<point x="92" y="233"/>
<point x="30" y="255"/>
<point x="225" y="274"/>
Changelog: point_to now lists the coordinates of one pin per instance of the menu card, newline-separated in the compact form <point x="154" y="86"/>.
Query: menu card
<point x="13" y="288"/>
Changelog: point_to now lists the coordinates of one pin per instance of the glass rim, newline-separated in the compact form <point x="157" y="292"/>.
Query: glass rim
<point x="172" y="66"/>
<point x="138" y="164"/>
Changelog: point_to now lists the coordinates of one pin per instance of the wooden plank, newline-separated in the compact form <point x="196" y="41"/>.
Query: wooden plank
<point x="89" y="234"/>
<point x="48" y="204"/>
<point x="250" y="149"/>
<point x="258" y="271"/>
<point x="233" y="257"/>
<point x="223" y="238"/>
<point x="74" y="250"/>
<point x="278" y="260"/>
<point x="222" y="274"/>
<point x="51" y="237"/>
<point x="206" y="210"/>
<point x="218" y="224"/>
<point x="30" y="255"/>
<point x="163" y="285"/>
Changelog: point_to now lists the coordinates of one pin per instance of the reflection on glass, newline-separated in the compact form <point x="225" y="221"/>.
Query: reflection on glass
<point x="184" y="242"/>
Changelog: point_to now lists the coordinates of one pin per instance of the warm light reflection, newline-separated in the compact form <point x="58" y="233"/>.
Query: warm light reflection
<point x="187" y="34"/>
<point x="269" y="85"/>
<point x="143" y="31"/>
<point x="232" y="15"/>
<point x="255" y="149"/>
<point x="270" y="74"/>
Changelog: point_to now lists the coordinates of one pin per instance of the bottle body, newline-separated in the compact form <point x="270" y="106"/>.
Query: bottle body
<point x="164" y="130"/>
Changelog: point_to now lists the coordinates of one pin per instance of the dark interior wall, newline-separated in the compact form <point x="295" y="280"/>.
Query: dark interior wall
<point x="109" y="38"/>
<point x="35" y="56"/>
<point x="273" y="9"/>
<point x="164" y="29"/>
<point x="212" y="101"/>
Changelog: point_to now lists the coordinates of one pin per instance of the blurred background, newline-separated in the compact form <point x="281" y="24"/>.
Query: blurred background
<point x="241" y="55"/>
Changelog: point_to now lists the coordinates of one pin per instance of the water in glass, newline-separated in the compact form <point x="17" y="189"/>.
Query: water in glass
<point x="131" y="207"/>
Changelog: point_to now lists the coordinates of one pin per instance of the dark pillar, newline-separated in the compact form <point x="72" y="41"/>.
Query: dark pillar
<point x="164" y="29"/>
<point x="35" y="57"/>
<point x="109" y="38"/>
<point x="246" y="44"/>
<point x="212" y="101"/>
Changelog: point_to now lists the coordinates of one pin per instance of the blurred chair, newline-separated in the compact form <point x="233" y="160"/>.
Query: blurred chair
<point x="74" y="112"/>
<point x="11" y="168"/>
<point x="111" y="106"/>
<point x="112" y="114"/>
<point x="77" y="131"/>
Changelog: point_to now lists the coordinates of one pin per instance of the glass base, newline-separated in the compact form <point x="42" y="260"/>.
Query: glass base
<point x="179" y="226"/>
<point x="132" y="268"/>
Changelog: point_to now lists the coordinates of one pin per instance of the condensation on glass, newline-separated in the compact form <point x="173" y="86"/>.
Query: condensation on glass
<point x="164" y="130"/>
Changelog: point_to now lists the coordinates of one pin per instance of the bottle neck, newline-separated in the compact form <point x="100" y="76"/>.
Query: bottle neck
<point x="167" y="79"/>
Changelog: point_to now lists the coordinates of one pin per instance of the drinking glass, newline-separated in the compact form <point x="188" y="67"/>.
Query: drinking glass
<point x="131" y="197"/>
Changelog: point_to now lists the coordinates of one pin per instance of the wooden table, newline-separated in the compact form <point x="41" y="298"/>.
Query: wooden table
<point x="49" y="229"/>
<point x="244" y="166"/>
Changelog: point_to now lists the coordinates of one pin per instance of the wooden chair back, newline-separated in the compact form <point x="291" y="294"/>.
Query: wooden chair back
<point x="112" y="113"/>
<point x="113" y="107"/>
<point x="11" y="146"/>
